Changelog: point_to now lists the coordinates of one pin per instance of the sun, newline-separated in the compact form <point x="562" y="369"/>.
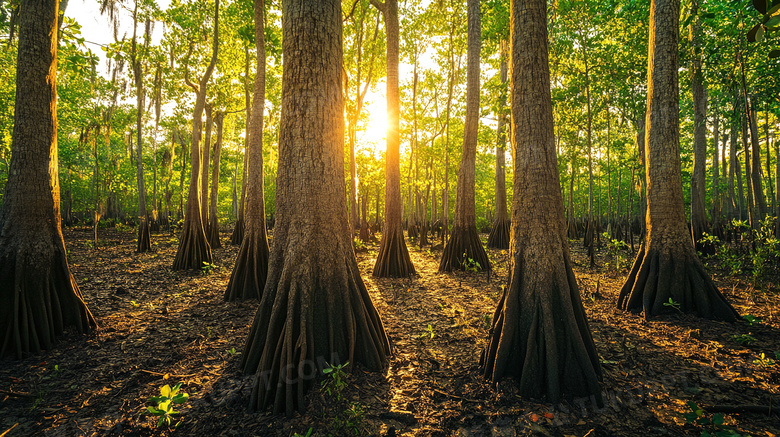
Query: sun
<point x="373" y="134"/>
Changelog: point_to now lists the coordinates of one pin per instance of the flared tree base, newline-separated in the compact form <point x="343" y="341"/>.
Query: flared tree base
<point x="365" y="234"/>
<point x="144" y="243"/>
<point x="671" y="281"/>
<point x="212" y="234"/>
<point x="393" y="258"/>
<point x="194" y="249"/>
<point x="464" y="251"/>
<point x="499" y="234"/>
<point x="310" y="318"/>
<point x="238" y="233"/>
<point x="40" y="300"/>
<point x="540" y="336"/>
<point x="251" y="269"/>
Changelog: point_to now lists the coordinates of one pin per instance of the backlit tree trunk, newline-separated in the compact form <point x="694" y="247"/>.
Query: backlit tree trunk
<point x="205" y="158"/>
<point x="144" y="239"/>
<point x="315" y="307"/>
<point x="39" y="295"/>
<point x="540" y="334"/>
<point x="213" y="228"/>
<point x="499" y="234"/>
<point x="251" y="267"/>
<point x="667" y="267"/>
<point x="238" y="229"/>
<point x="698" y="212"/>
<point x="464" y="248"/>
<point x="393" y="258"/>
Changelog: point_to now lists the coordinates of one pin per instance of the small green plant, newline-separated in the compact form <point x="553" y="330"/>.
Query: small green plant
<point x="673" y="304"/>
<point x="308" y="433"/>
<point x="713" y="424"/>
<point x="207" y="268"/>
<point x="765" y="361"/>
<point x="232" y="351"/>
<point x="616" y="250"/>
<point x="428" y="332"/>
<point x="163" y="405"/>
<point x="751" y="320"/>
<point x="470" y="265"/>
<point x="744" y="339"/>
<point x="134" y="304"/>
<point x="335" y="380"/>
<point x="359" y="244"/>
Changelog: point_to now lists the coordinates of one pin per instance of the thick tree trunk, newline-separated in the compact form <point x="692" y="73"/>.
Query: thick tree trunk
<point x="251" y="267"/>
<point x="238" y="229"/>
<point x="393" y="258"/>
<point x="715" y="211"/>
<point x="39" y="294"/>
<point x="464" y="248"/>
<point x="667" y="267"/>
<point x="315" y="307"/>
<point x="540" y="333"/>
<point x="499" y="234"/>
<point x="194" y="249"/>
<point x="213" y="228"/>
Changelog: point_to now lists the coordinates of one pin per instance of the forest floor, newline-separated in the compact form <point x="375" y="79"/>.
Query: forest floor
<point x="162" y="327"/>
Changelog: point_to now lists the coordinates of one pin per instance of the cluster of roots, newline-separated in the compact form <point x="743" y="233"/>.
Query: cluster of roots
<point x="499" y="234"/>
<point x="251" y="269"/>
<point x="194" y="249"/>
<point x="464" y="251"/>
<point x="393" y="259"/>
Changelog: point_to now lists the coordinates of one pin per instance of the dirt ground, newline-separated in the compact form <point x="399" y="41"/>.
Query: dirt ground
<point x="162" y="327"/>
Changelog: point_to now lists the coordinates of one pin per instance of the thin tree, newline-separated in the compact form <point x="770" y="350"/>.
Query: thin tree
<point x="464" y="244"/>
<point x="238" y="228"/>
<point x="314" y="304"/>
<point x="699" y="92"/>
<point x="540" y="334"/>
<point x="499" y="234"/>
<point x="393" y="258"/>
<point x="144" y="238"/>
<point x="251" y="268"/>
<point x="194" y="249"/>
<point x="667" y="269"/>
<point x="39" y="294"/>
<point x="213" y="227"/>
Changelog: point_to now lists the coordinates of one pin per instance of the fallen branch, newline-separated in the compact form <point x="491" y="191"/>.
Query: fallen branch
<point x="9" y="430"/>
<point x="16" y="395"/>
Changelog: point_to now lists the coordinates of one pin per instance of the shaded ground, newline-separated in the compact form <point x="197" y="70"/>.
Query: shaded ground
<point x="160" y="327"/>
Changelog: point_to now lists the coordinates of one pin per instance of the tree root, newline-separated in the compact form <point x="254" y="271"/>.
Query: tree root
<point x="40" y="299"/>
<point x="464" y="245"/>
<point x="540" y="335"/>
<point x="499" y="234"/>
<point x="393" y="258"/>
<point x="212" y="234"/>
<point x="311" y="315"/>
<point x="664" y="282"/>
<point x="144" y="237"/>
<point x="194" y="249"/>
<point x="251" y="269"/>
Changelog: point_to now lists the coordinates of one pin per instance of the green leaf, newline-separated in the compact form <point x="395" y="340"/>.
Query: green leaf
<point x="760" y="34"/>
<point x="154" y="411"/>
<point x="717" y="419"/>
<point x="775" y="7"/>
<point x="752" y="33"/>
<point x="181" y="398"/>
<point x="760" y="6"/>
<point x="774" y="21"/>
<point x="165" y="391"/>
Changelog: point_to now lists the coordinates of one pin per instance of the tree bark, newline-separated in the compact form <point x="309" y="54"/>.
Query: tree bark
<point x="39" y="294"/>
<point x="144" y="238"/>
<point x="499" y="234"/>
<point x="194" y="249"/>
<point x="213" y="228"/>
<point x="540" y="333"/>
<point x="238" y="229"/>
<point x="698" y="211"/>
<point x="393" y="258"/>
<point x="667" y="267"/>
<point x="315" y="307"/>
<point x="251" y="267"/>
<point x="464" y="248"/>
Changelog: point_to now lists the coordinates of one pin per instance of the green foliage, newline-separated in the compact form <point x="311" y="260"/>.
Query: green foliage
<point x="470" y="265"/>
<point x="616" y="250"/>
<point x="712" y="424"/>
<point x="208" y="268"/>
<point x="673" y="304"/>
<point x="744" y="339"/>
<point x="765" y="361"/>
<point x="163" y="406"/>
<point x="751" y="320"/>
<point x="428" y="332"/>
<point x="335" y="380"/>
<point x="308" y="433"/>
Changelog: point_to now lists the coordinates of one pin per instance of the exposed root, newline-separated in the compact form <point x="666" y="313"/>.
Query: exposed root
<point x="251" y="269"/>
<point x="212" y="235"/>
<point x="499" y="234"/>
<point x="309" y="317"/>
<point x="194" y="249"/>
<point x="464" y="245"/>
<point x="540" y="335"/>
<point x="393" y="258"/>
<point x="238" y="232"/>
<point x="40" y="299"/>
<point x="658" y="277"/>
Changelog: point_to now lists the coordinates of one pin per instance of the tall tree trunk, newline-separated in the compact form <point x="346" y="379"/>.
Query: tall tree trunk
<point x="39" y="294"/>
<point x="205" y="160"/>
<point x="393" y="258"/>
<point x="751" y="200"/>
<point x="715" y="211"/>
<point x="499" y="234"/>
<point x="251" y="268"/>
<point x="667" y="267"/>
<point x="194" y="249"/>
<point x="755" y="151"/>
<point x="698" y="210"/>
<point x="464" y="246"/>
<point x="144" y="238"/>
<point x="238" y="229"/>
<point x="213" y="228"/>
<point x="540" y="333"/>
<point x="314" y="307"/>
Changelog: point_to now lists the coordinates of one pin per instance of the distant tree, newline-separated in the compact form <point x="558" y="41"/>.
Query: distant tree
<point x="144" y="238"/>
<point x="393" y="257"/>
<point x="39" y="294"/>
<point x="667" y="268"/>
<point x="464" y="242"/>
<point x="699" y="92"/>
<point x="251" y="268"/>
<point x="540" y="333"/>
<point x="213" y="228"/>
<point x="499" y="234"/>
<point x="314" y="304"/>
<point x="194" y="248"/>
